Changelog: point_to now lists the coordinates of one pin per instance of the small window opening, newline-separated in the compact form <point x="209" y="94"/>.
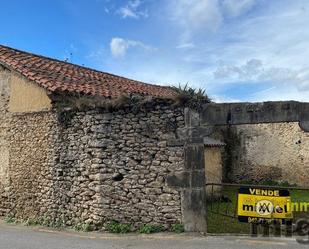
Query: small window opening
<point x="118" y="177"/>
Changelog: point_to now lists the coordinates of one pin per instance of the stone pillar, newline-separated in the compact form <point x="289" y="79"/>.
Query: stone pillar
<point x="194" y="195"/>
<point x="192" y="180"/>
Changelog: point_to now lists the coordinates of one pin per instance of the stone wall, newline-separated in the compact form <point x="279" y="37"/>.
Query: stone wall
<point x="264" y="152"/>
<point x="32" y="148"/>
<point x="92" y="166"/>
<point x="113" y="166"/>
<point x="4" y="141"/>
<point x="95" y="167"/>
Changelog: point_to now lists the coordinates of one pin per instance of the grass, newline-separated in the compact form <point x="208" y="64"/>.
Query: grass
<point x="117" y="227"/>
<point x="83" y="227"/>
<point x="10" y="219"/>
<point x="42" y="221"/>
<point x="151" y="229"/>
<point x="32" y="222"/>
<point x="177" y="228"/>
<point x="112" y="227"/>
<point x="218" y="223"/>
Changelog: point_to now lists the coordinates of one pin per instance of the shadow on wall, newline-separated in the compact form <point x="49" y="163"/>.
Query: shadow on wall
<point x="237" y="166"/>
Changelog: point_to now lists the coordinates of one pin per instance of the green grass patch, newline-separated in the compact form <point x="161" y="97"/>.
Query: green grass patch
<point x="117" y="227"/>
<point x="218" y="223"/>
<point x="83" y="227"/>
<point x="41" y="221"/>
<point x="148" y="228"/>
<point x="31" y="222"/>
<point x="177" y="228"/>
<point x="10" y="219"/>
<point x="270" y="183"/>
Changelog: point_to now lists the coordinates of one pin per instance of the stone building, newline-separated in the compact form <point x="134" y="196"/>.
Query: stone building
<point x="81" y="146"/>
<point x="271" y="152"/>
<point x="73" y="150"/>
<point x="265" y="142"/>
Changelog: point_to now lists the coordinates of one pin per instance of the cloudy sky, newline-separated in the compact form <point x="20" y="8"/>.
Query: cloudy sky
<point x="238" y="50"/>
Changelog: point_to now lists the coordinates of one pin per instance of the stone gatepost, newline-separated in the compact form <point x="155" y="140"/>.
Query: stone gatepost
<point x="192" y="180"/>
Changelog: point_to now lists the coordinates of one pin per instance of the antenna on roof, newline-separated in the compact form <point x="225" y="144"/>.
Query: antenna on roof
<point x="69" y="59"/>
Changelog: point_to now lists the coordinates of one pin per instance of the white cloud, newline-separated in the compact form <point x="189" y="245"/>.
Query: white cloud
<point x="223" y="99"/>
<point x="132" y="10"/>
<point x="202" y="16"/>
<point x="235" y="8"/>
<point x="135" y="3"/>
<point x="248" y="71"/>
<point x="196" y="14"/>
<point x="254" y="70"/>
<point x="186" y="45"/>
<point x="276" y="35"/>
<point x="280" y="93"/>
<point x="225" y="40"/>
<point x="127" y="12"/>
<point x="120" y="46"/>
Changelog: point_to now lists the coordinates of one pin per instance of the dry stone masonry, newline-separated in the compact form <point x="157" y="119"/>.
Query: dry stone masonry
<point x="94" y="167"/>
<point x="137" y="164"/>
<point x="113" y="166"/>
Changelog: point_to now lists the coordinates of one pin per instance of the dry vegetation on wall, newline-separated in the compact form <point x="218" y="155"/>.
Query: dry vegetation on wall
<point x="191" y="97"/>
<point x="184" y="97"/>
<point x="84" y="102"/>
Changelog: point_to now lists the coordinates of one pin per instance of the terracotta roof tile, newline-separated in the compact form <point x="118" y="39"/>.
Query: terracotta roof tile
<point x="59" y="76"/>
<point x="210" y="142"/>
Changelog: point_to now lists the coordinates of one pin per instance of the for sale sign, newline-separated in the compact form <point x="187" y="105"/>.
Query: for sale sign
<point x="256" y="205"/>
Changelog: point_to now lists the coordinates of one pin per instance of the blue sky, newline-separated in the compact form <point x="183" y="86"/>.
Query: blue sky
<point x="238" y="50"/>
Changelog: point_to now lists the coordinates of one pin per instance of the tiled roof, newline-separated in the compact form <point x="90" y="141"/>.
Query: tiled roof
<point x="59" y="76"/>
<point x="210" y="142"/>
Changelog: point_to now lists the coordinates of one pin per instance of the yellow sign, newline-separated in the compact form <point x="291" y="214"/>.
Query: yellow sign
<point x="261" y="205"/>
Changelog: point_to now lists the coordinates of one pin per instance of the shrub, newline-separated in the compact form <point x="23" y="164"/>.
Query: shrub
<point x="116" y="227"/>
<point x="270" y="183"/>
<point x="83" y="227"/>
<point x="177" y="228"/>
<point x="151" y="229"/>
<point x="10" y="219"/>
<point x="278" y="183"/>
<point x="190" y="97"/>
<point x="45" y="221"/>
<point x="31" y="222"/>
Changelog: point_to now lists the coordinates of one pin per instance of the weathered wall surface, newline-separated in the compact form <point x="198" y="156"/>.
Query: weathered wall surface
<point x="33" y="142"/>
<point x="98" y="150"/>
<point x="262" y="152"/>
<point x="4" y="142"/>
<point x="264" y="140"/>
<point x="25" y="150"/>
<point x="213" y="165"/>
<point x="88" y="167"/>
<point x="26" y="96"/>
<point x="213" y="169"/>
<point x="68" y="169"/>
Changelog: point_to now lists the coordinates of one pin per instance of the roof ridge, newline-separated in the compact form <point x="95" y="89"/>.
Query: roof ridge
<point x="80" y="66"/>
<point x="56" y="75"/>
